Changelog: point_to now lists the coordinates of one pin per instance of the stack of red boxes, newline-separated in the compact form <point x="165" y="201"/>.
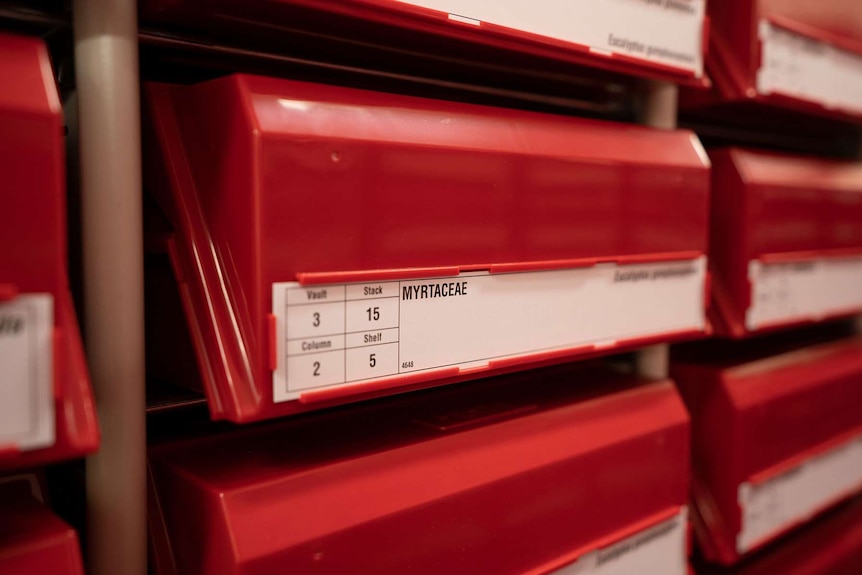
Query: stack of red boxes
<point x="332" y="245"/>
<point x="46" y="405"/>
<point x="442" y="325"/>
<point x="775" y="415"/>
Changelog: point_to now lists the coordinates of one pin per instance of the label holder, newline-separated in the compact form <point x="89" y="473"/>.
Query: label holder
<point x="391" y="330"/>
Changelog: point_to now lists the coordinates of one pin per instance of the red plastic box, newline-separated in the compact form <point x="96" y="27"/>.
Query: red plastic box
<point x="831" y="546"/>
<point x="776" y="440"/>
<point x="524" y="474"/>
<point x="334" y="243"/>
<point x="786" y="240"/>
<point x="32" y="539"/>
<point x="799" y="54"/>
<point x="658" y="39"/>
<point x="46" y="405"/>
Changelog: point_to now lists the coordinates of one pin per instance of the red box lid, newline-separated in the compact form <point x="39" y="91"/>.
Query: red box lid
<point x="644" y="40"/>
<point x="32" y="539"/>
<point x="33" y="280"/>
<point x="497" y="476"/>
<point x="798" y="221"/>
<point x="326" y="186"/>
<point x="778" y="424"/>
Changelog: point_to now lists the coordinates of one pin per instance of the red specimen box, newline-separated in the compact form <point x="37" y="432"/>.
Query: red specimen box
<point x="776" y="440"/>
<point x="830" y="546"/>
<point x="529" y="473"/>
<point x="786" y="240"/>
<point x="46" y="405"/>
<point x="664" y="40"/>
<point x="33" y="539"/>
<point x="799" y="54"/>
<point x="333" y="243"/>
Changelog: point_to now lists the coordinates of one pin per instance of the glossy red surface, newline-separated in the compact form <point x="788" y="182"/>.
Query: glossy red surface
<point x="268" y="180"/>
<point x="33" y="235"/>
<point x="402" y="26"/>
<point x="734" y="55"/>
<point x="829" y="546"/>
<point x="509" y="475"/>
<point x="755" y="419"/>
<point x="772" y="207"/>
<point x="32" y="539"/>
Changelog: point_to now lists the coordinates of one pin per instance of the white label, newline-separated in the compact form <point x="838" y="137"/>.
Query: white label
<point x="26" y="372"/>
<point x="770" y="507"/>
<point x="802" y="67"/>
<point x="468" y="320"/>
<point x="801" y="291"/>
<point x="667" y="32"/>
<point x="659" y="549"/>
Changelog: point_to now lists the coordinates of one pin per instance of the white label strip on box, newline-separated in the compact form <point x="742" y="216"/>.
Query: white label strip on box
<point x="667" y="32"/>
<point x="332" y="335"/>
<point x="808" y="69"/>
<point x="801" y="291"/>
<point x="659" y="549"/>
<point x="26" y="369"/>
<point x="772" y="506"/>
